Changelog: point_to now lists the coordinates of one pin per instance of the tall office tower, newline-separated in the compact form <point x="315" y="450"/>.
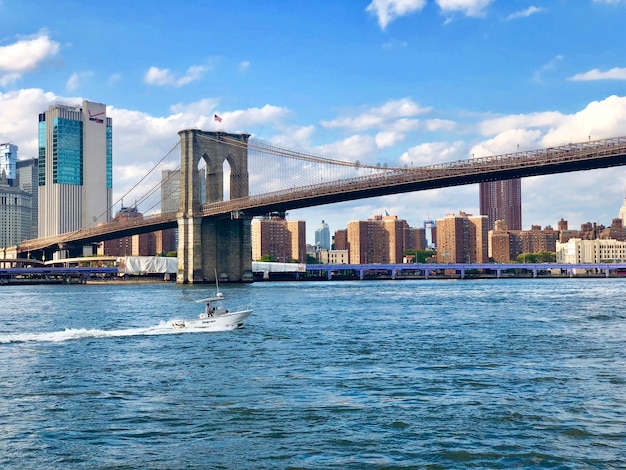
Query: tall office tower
<point x="462" y="239"/>
<point x="430" y="232"/>
<point x="75" y="168"/>
<point x="502" y="200"/>
<point x="27" y="179"/>
<point x="322" y="237"/>
<point x="284" y="241"/>
<point x="15" y="214"/>
<point x="170" y="189"/>
<point x="8" y="160"/>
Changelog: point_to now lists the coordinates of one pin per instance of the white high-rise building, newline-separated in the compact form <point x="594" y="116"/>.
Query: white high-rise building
<point x="75" y="168"/>
<point x="8" y="160"/>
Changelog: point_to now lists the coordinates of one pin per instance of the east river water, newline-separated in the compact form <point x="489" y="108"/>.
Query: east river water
<point x="506" y="373"/>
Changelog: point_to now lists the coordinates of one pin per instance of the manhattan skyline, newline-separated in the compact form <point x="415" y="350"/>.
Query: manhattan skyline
<point x="398" y="82"/>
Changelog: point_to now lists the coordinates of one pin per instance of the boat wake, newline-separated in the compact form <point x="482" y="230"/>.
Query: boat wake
<point x="163" y="328"/>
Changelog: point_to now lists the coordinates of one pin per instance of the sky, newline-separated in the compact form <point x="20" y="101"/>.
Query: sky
<point x="399" y="82"/>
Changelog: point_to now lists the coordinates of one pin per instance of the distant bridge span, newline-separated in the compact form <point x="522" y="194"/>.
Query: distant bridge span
<point x="567" y="158"/>
<point x="573" y="157"/>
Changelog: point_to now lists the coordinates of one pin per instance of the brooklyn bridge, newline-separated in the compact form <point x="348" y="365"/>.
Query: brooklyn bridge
<point x="246" y="177"/>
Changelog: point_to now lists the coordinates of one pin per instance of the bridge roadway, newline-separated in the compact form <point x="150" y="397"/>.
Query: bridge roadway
<point x="572" y="157"/>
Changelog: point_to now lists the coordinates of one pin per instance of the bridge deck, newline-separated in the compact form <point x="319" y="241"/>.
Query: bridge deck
<point x="572" y="157"/>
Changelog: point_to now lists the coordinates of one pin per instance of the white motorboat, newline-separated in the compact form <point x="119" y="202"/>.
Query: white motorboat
<point x="215" y="317"/>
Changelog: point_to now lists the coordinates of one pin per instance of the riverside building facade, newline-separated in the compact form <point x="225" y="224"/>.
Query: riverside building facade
<point x="462" y="238"/>
<point x="377" y="240"/>
<point x="579" y="251"/>
<point x="75" y="168"/>
<point x="282" y="240"/>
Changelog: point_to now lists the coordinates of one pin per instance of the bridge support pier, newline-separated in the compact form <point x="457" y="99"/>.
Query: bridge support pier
<point x="215" y="245"/>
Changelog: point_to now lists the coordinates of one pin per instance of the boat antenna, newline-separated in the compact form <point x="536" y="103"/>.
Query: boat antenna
<point x="217" y="285"/>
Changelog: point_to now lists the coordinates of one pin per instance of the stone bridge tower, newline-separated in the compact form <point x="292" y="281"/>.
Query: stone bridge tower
<point x="212" y="245"/>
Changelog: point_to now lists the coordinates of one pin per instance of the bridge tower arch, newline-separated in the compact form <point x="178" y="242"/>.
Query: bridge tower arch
<point x="207" y="246"/>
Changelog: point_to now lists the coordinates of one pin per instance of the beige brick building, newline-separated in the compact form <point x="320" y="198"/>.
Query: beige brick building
<point x="462" y="238"/>
<point x="283" y="240"/>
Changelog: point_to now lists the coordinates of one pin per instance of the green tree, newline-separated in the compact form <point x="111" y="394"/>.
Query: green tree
<point x="420" y="255"/>
<point x="539" y="257"/>
<point x="267" y="258"/>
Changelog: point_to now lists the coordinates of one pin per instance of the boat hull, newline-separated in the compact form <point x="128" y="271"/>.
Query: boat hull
<point x="224" y="322"/>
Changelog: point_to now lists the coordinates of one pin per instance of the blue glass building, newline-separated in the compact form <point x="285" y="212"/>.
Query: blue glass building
<point x="75" y="168"/>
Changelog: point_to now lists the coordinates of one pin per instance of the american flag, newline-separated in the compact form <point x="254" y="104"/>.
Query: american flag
<point x="217" y="118"/>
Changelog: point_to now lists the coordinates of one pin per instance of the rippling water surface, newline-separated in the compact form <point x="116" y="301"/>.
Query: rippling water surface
<point x="390" y="374"/>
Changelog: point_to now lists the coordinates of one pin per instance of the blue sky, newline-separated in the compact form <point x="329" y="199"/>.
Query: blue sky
<point x="394" y="81"/>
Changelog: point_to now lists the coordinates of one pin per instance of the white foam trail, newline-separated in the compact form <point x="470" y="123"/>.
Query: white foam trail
<point x="163" y="328"/>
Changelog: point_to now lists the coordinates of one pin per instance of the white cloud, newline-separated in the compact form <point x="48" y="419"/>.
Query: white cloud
<point x="164" y="77"/>
<point x="76" y="79"/>
<point x="598" y="120"/>
<point x="388" y="10"/>
<point x="250" y="118"/>
<point x="431" y="153"/>
<point x="494" y="126"/>
<point x="244" y="66"/>
<point x="473" y="8"/>
<point x="376" y="117"/>
<point x="434" y="125"/>
<point x="508" y="141"/>
<point x="18" y="119"/>
<point x="616" y="73"/>
<point x="24" y="56"/>
<point x="294" y="137"/>
<point x="356" y="147"/>
<point x="525" y="13"/>
<point x="550" y="66"/>
<point x="388" y="139"/>
<point x="9" y="78"/>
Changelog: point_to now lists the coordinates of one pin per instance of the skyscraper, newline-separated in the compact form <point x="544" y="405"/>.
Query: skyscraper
<point x="18" y="197"/>
<point x="27" y="179"/>
<point x="8" y="160"/>
<point x="75" y="168"/>
<point x="322" y="237"/>
<point x="15" y="213"/>
<point x="502" y="200"/>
